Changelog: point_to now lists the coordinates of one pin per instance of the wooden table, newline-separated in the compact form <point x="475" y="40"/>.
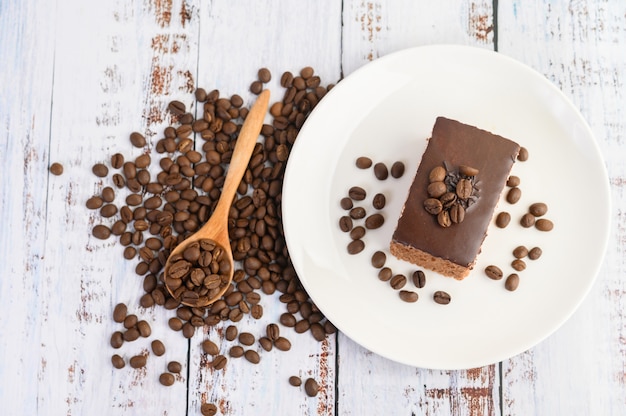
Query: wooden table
<point x="77" y="77"/>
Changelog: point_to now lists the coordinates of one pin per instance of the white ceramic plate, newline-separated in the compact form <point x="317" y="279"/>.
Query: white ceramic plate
<point x="386" y="110"/>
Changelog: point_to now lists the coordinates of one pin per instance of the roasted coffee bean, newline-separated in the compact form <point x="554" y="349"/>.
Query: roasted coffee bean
<point x="157" y="347"/>
<point x="286" y="79"/>
<point x="219" y="362"/>
<point x="543" y="224"/>
<point x="231" y="333"/>
<point x="56" y="169"/>
<point x="101" y="231"/>
<point x="108" y="194"/>
<point x="378" y="259"/>
<point x="385" y="274"/>
<point x="513" y="195"/>
<point x="380" y="171"/>
<point x="357" y="232"/>
<point x="518" y="265"/>
<point x="137" y="361"/>
<point x="272" y="331"/>
<point x="358" y="213"/>
<point x="283" y="344"/>
<point x="534" y="253"/>
<point x="437" y="174"/>
<point x="419" y="279"/>
<point x="527" y="220"/>
<point x="246" y="338"/>
<point x="468" y="170"/>
<point x="108" y="210"/>
<point x="398" y="281"/>
<point x="130" y="253"/>
<point x="464" y="188"/>
<point x="345" y="223"/>
<point x="208" y="409"/>
<point x="408" y="296"/>
<point x="457" y="213"/>
<point x="436" y="189"/>
<point x="513" y="181"/>
<point x="374" y="221"/>
<point x="117" y="339"/>
<point x="356" y="246"/>
<point x="119" y="312"/>
<point x="174" y="367"/>
<point x="144" y="329"/>
<point x="100" y="170"/>
<point x="522" y="156"/>
<point x="117" y="160"/>
<point x="357" y="193"/>
<point x="379" y="201"/>
<point x="266" y="344"/>
<point x="302" y="326"/>
<point x="94" y="202"/>
<point x="130" y="321"/>
<point x="236" y="351"/>
<point x="346" y="203"/>
<point x="166" y="379"/>
<point x="433" y="206"/>
<point x="256" y="87"/>
<point x="117" y="361"/>
<point x="131" y="335"/>
<point x="397" y="169"/>
<point x="448" y="199"/>
<point x="512" y="282"/>
<point x="363" y="162"/>
<point x="175" y="324"/>
<point x="493" y="272"/>
<point x="137" y="139"/>
<point x="295" y="381"/>
<point x="538" y="209"/>
<point x="288" y="320"/>
<point x="264" y="75"/>
<point x="503" y="219"/>
<point x="177" y="108"/>
<point x="441" y="297"/>
<point x="443" y="218"/>
<point x="311" y="387"/>
<point x="520" y="252"/>
<point x="252" y="356"/>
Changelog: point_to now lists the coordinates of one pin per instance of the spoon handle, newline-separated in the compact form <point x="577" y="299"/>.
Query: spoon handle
<point x="243" y="151"/>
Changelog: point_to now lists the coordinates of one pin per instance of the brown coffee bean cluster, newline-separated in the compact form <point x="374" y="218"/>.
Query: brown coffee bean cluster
<point x="518" y="264"/>
<point x="450" y="193"/>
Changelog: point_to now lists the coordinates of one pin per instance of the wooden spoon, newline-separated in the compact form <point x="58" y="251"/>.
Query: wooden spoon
<point x="216" y="228"/>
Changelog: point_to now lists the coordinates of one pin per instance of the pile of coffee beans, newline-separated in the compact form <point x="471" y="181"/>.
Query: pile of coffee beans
<point x="151" y="208"/>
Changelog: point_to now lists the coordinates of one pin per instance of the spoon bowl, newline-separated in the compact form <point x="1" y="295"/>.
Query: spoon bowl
<point x="205" y="258"/>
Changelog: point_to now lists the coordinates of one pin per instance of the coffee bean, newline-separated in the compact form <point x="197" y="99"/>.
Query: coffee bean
<point x="175" y="324"/>
<point x="512" y="282"/>
<point x="357" y="213"/>
<point x="119" y="181"/>
<point x="264" y="75"/>
<point x="419" y="279"/>
<point x="493" y="272"/>
<point x="380" y="171"/>
<point x="468" y="170"/>
<point x="208" y="409"/>
<point x="385" y="274"/>
<point x="378" y="259"/>
<point x="137" y="139"/>
<point x="144" y="329"/>
<point x="457" y="213"/>
<point x="117" y="361"/>
<point x="288" y="320"/>
<point x="256" y="87"/>
<point x="117" y="339"/>
<point x="252" y="356"/>
<point x="448" y="199"/>
<point x="311" y="387"/>
<point x="363" y="162"/>
<point x="436" y="189"/>
<point x="356" y="246"/>
<point x="302" y="326"/>
<point x="108" y="210"/>
<point x="503" y="219"/>
<point x="283" y="344"/>
<point x="408" y="296"/>
<point x="520" y="252"/>
<point x="543" y="224"/>
<point x="177" y="108"/>
<point x="246" y="338"/>
<point x="131" y="335"/>
<point x="374" y="221"/>
<point x="346" y="203"/>
<point x="219" y="362"/>
<point x="433" y="206"/>
<point x="379" y="201"/>
<point x="166" y="379"/>
<point x="231" y="333"/>
<point x="345" y="223"/>
<point x="357" y="193"/>
<point x="513" y="195"/>
<point x="286" y="79"/>
<point x="534" y="253"/>
<point x="398" y="281"/>
<point x="397" y="169"/>
<point x="101" y="231"/>
<point x="318" y="332"/>
<point x="443" y="218"/>
<point x="94" y="202"/>
<point x="157" y="347"/>
<point x="56" y="169"/>
<point x="441" y="297"/>
<point x="522" y="156"/>
<point x="464" y="188"/>
<point x="236" y="351"/>
<point x="527" y="220"/>
<point x="295" y="381"/>
<point x="357" y="232"/>
<point x="119" y="312"/>
<point x="100" y="170"/>
<point x="272" y="331"/>
<point x="538" y="209"/>
<point x="513" y="181"/>
<point x="174" y="367"/>
<point x="108" y="194"/>
<point x="117" y="160"/>
<point x="437" y="174"/>
<point x="518" y="265"/>
<point x="137" y="361"/>
<point x="130" y="321"/>
<point x="266" y="344"/>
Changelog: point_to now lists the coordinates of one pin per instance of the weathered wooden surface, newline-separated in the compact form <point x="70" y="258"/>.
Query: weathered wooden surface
<point x="77" y="78"/>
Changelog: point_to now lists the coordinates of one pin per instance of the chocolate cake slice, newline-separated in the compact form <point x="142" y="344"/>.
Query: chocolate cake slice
<point x="452" y="199"/>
